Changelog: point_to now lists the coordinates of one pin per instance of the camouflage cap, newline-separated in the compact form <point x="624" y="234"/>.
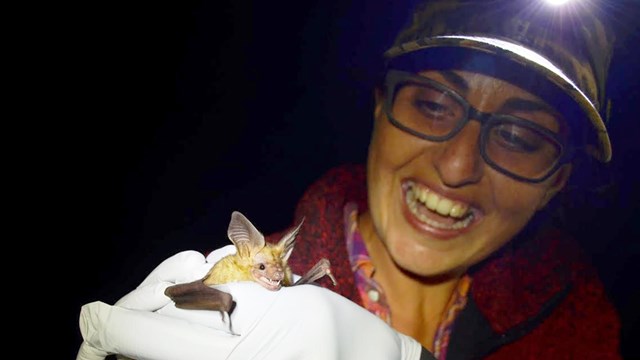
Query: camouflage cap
<point x="570" y="45"/>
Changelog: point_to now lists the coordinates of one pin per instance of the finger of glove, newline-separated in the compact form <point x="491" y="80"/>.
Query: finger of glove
<point x="182" y="267"/>
<point x="147" y="335"/>
<point x="186" y="266"/>
<point x="217" y="254"/>
<point x="149" y="297"/>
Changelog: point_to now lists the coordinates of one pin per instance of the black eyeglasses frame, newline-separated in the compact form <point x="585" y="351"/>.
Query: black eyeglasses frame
<point x="487" y="121"/>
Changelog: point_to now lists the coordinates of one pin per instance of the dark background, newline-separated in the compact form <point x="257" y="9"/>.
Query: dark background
<point x="181" y="113"/>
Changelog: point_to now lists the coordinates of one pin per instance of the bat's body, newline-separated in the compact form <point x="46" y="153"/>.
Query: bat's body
<point x="268" y="267"/>
<point x="255" y="260"/>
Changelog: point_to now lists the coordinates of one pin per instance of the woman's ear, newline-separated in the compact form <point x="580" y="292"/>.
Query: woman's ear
<point x="377" y="94"/>
<point x="378" y="97"/>
<point x="558" y="182"/>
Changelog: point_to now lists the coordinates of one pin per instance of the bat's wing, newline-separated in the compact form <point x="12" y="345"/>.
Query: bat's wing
<point x="196" y="295"/>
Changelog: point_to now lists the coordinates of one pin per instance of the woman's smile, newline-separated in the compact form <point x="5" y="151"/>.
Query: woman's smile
<point x="433" y="212"/>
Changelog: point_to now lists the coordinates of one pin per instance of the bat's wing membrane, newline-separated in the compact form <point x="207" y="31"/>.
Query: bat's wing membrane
<point x="198" y="296"/>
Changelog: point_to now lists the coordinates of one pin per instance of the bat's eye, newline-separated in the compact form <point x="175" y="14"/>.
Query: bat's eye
<point x="262" y="267"/>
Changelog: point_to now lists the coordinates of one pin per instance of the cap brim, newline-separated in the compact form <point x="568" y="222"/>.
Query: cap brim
<point x="528" y="58"/>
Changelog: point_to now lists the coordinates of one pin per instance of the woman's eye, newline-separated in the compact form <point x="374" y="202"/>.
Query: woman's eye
<point x="435" y="111"/>
<point x="513" y="141"/>
<point x="431" y="107"/>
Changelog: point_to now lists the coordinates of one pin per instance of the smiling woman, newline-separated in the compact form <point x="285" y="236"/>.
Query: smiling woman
<point x="485" y="117"/>
<point x="477" y="126"/>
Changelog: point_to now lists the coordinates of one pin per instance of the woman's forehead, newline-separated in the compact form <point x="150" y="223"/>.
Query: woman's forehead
<point x="466" y="82"/>
<point x="493" y="94"/>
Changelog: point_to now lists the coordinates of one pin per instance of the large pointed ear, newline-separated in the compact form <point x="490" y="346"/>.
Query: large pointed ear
<point x="244" y="235"/>
<point x="288" y="240"/>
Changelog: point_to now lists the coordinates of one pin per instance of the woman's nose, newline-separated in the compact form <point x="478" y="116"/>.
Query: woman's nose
<point x="458" y="160"/>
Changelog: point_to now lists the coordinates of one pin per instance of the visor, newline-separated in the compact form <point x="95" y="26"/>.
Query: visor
<point x="576" y="60"/>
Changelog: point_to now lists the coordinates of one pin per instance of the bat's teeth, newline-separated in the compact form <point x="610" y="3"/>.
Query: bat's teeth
<point x="270" y="283"/>
<point x="274" y="282"/>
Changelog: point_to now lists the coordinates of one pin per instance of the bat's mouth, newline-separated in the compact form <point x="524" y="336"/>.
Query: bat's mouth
<point x="269" y="283"/>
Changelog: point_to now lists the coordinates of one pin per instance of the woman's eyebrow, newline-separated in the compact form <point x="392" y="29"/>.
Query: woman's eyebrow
<point x="512" y="104"/>
<point x="457" y="80"/>
<point x="520" y="104"/>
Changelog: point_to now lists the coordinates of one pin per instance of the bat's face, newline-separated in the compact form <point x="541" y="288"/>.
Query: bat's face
<point x="268" y="270"/>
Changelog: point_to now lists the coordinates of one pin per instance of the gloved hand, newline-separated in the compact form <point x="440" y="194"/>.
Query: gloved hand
<point x="297" y="322"/>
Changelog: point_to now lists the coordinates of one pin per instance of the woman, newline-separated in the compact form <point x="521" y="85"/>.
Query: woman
<point x="442" y="234"/>
<point x="446" y="242"/>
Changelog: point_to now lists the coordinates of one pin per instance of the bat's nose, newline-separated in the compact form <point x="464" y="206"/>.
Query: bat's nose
<point x="278" y="275"/>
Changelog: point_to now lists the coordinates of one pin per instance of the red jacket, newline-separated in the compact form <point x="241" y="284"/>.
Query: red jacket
<point x="534" y="299"/>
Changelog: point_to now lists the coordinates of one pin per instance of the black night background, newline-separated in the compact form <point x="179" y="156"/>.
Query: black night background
<point x="184" y="112"/>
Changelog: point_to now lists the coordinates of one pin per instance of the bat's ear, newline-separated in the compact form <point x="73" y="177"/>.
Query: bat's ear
<point x="244" y="235"/>
<point x="288" y="240"/>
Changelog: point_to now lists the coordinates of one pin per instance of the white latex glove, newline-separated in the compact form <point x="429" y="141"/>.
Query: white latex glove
<point x="297" y="322"/>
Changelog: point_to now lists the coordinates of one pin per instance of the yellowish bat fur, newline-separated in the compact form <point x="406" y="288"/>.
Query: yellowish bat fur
<point x="266" y="266"/>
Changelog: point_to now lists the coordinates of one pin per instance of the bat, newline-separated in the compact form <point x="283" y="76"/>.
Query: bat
<point x="254" y="260"/>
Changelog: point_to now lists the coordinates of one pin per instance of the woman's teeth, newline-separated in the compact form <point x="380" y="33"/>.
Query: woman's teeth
<point x="416" y="196"/>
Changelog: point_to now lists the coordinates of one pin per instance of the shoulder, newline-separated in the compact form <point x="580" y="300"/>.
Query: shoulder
<point x="549" y="274"/>
<point x="324" y="199"/>
<point x="342" y="181"/>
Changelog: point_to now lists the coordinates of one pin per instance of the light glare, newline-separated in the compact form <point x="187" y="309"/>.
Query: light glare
<point x="557" y="2"/>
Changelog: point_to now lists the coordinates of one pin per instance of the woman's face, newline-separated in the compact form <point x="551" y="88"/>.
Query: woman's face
<point x="437" y="206"/>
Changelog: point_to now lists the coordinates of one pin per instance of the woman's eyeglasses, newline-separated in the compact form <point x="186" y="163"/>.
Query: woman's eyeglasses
<point x="519" y="148"/>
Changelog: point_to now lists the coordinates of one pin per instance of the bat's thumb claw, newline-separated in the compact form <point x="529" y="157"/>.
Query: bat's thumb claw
<point x="333" y="279"/>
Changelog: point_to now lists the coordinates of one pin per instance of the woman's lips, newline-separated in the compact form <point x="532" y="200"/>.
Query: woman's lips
<point x="435" y="213"/>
